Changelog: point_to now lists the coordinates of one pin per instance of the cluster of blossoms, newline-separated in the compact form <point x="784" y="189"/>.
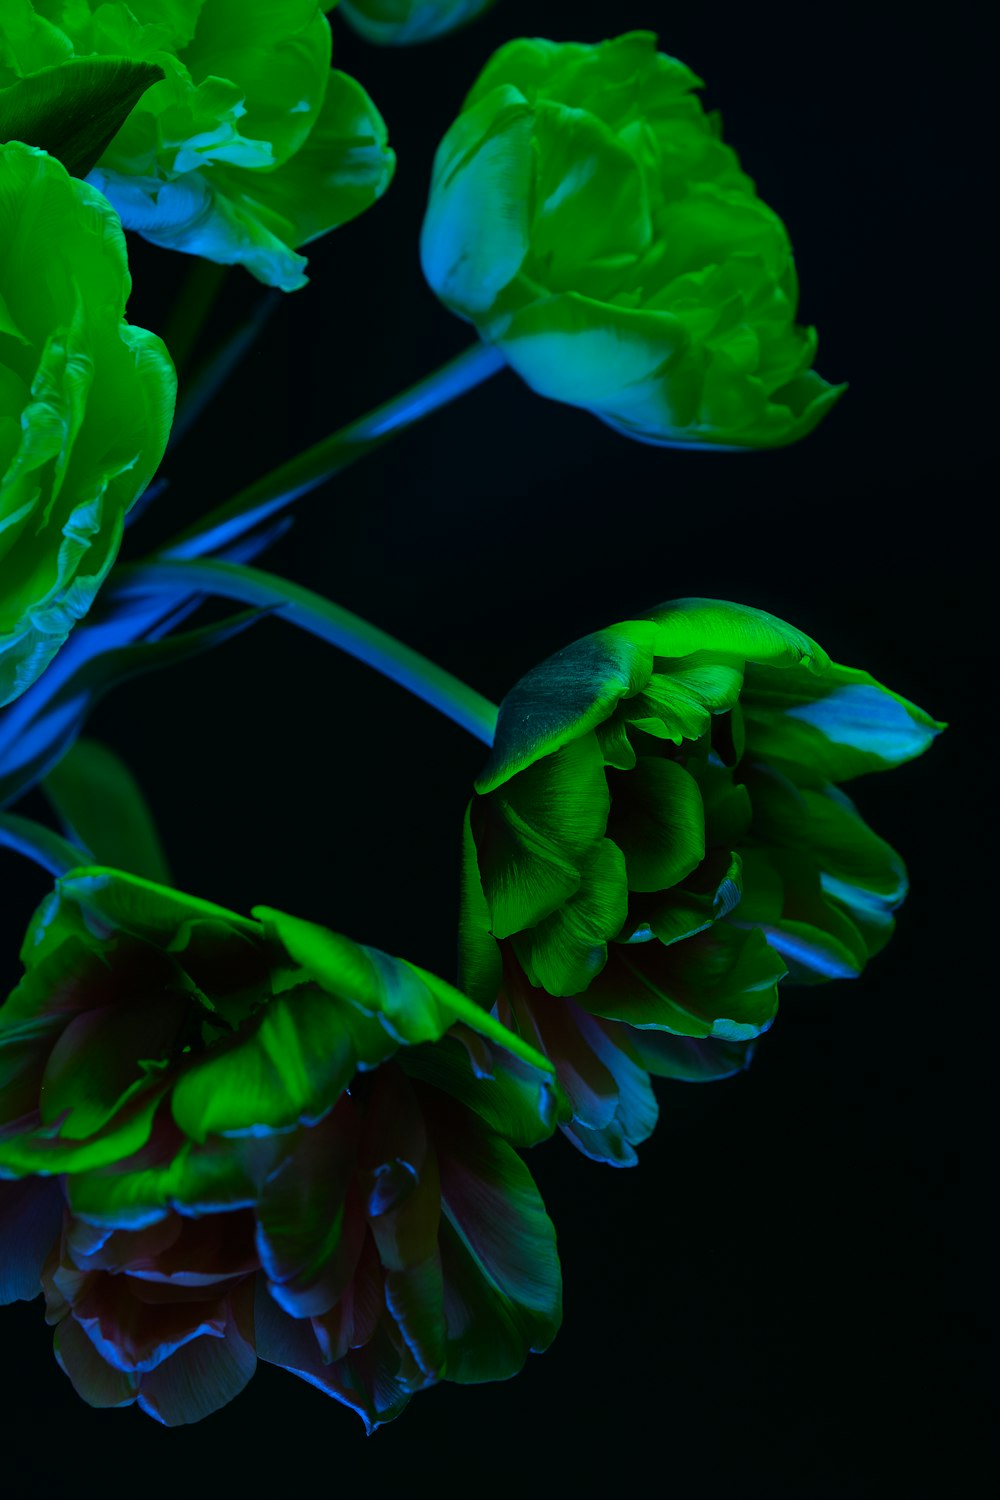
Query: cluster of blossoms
<point x="227" y="1139"/>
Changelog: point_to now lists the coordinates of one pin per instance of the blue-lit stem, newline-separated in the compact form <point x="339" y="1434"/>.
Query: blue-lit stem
<point x="48" y="849"/>
<point x="301" y="474"/>
<point x="329" y="621"/>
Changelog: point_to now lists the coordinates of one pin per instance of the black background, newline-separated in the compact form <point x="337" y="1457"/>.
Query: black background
<point x="779" y="1300"/>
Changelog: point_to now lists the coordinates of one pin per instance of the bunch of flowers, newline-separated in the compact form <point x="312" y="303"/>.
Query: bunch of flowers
<point x="228" y="1138"/>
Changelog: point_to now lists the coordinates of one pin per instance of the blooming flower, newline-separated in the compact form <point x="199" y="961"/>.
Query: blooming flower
<point x="86" y="402"/>
<point x="249" y="148"/>
<point x="227" y="1139"/>
<point x="659" y="836"/>
<point x="400" y="22"/>
<point x="585" y="215"/>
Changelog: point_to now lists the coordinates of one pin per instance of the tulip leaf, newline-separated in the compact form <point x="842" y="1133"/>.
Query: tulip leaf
<point x="102" y="808"/>
<point x="74" y="110"/>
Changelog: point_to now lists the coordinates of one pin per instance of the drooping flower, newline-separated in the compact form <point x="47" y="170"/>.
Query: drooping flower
<point x="398" y="23"/>
<point x="228" y="1139"/>
<point x="86" y="402"/>
<point x="248" y="149"/>
<point x="587" y="218"/>
<point x="659" y="835"/>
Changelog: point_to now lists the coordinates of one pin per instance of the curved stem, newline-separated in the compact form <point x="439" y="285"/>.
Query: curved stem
<point x="48" y="849"/>
<point x="329" y="621"/>
<point x="309" y="469"/>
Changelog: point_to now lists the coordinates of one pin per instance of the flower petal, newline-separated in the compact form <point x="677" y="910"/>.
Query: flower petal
<point x="572" y="691"/>
<point x="658" y="822"/>
<point x="31" y="1214"/>
<point x="831" y="724"/>
<point x="535" y="833"/>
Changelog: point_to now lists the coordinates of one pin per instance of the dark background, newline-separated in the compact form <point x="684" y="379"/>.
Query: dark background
<point x="779" y="1301"/>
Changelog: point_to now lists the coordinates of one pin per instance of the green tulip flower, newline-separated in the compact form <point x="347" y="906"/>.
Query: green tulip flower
<point x="308" y="1145"/>
<point x="587" y="218"/>
<point x="249" y="148"/>
<point x="659" y="835"/>
<point x="86" y="402"/>
<point x="397" y="23"/>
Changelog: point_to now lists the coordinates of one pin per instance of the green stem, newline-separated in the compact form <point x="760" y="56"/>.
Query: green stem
<point x="301" y="474"/>
<point x="195" y="300"/>
<point x="329" y="621"/>
<point x="35" y="841"/>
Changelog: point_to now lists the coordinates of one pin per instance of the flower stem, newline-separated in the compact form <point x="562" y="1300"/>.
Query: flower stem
<point x="301" y="474"/>
<point x="48" y="849"/>
<point x="329" y="621"/>
<point x="195" y="300"/>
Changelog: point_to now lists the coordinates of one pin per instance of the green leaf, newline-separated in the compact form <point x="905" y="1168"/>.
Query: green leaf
<point x="74" y="110"/>
<point x="102" y="808"/>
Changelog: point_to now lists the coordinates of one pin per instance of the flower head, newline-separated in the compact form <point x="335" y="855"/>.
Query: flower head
<point x="397" y="23"/>
<point x="227" y="1139"/>
<point x="659" y="836"/>
<point x="86" y="402"/>
<point x="249" y="148"/>
<point x="586" y="216"/>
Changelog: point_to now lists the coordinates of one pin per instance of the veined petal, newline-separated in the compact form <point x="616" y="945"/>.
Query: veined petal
<point x="535" y="833"/>
<point x="832" y="723"/>
<point x="658" y="822"/>
<point x="569" y="693"/>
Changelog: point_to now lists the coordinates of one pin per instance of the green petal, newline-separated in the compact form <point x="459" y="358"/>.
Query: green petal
<point x="475" y="232"/>
<point x="709" y="894"/>
<point x="288" y="1064"/>
<point x="689" y="1059"/>
<point x="41" y="1151"/>
<point x="514" y="1100"/>
<point x="102" y="808"/>
<point x="142" y="907"/>
<point x="568" y="947"/>
<point x="343" y="167"/>
<point x="721" y="983"/>
<point x="826" y="827"/>
<point x="733" y="633"/>
<point x="410" y="1004"/>
<point x="831" y="724"/>
<point x="480" y="966"/>
<point x="569" y="693"/>
<point x="658" y="822"/>
<point x="536" y="832"/>
<point x="74" y="109"/>
<point x="591" y="215"/>
<point x="680" y="698"/>
<point x="572" y="348"/>
<point x="498" y="1250"/>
